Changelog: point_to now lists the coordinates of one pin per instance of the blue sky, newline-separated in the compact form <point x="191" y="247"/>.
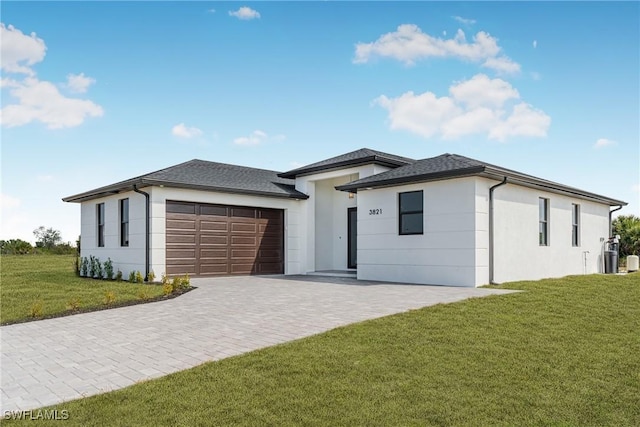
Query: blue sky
<point x="97" y="92"/>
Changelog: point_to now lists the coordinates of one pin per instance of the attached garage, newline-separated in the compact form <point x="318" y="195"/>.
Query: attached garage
<point x="219" y="240"/>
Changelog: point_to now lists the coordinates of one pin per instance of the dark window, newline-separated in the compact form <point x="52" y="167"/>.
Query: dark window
<point x="575" y="225"/>
<point x="543" y="209"/>
<point x="124" y="222"/>
<point x="411" y="212"/>
<point x="100" y="214"/>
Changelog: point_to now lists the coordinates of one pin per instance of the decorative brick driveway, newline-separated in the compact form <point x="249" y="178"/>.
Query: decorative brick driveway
<point x="51" y="361"/>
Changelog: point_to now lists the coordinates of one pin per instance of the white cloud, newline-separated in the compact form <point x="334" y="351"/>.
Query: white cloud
<point x="476" y="106"/>
<point x="408" y="44"/>
<point x="245" y="13"/>
<point x="182" y="131"/>
<point x="465" y="21"/>
<point x="211" y="11"/>
<point x="603" y="142"/>
<point x="41" y="101"/>
<point x="78" y="83"/>
<point x="38" y="100"/>
<point x="19" y="51"/>
<point x="535" y="44"/>
<point x="258" y="137"/>
<point x="8" y="202"/>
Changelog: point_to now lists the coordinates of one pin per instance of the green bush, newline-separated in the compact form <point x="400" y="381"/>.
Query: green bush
<point x="132" y="276"/>
<point x="84" y="267"/>
<point x="139" y="278"/>
<point x="108" y="269"/>
<point x="15" y="247"/>
<point x="119" y="276"/>
<point x="628" y="227"/>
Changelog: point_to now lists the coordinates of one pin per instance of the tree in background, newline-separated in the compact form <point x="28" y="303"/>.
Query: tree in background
<point x="47" y="238"/>
<point x="628" y="227"/>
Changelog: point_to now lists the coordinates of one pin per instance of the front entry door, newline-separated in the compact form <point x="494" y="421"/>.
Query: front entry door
<point x="352" y="239"/>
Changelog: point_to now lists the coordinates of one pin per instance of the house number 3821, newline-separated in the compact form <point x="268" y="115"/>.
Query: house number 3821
<point x="375" y="211"/>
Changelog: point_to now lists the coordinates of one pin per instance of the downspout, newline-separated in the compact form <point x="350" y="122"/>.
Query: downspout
<point x="147" y="234"/>
<point x="610" y="227"/>
<point x="491" y="228"/>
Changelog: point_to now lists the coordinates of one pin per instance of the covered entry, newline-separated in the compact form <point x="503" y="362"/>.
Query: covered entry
<point x="216" y="240"/>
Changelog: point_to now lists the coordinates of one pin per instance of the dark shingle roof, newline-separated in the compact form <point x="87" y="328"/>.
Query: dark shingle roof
<point x="204" y="175"/>
<point x="358" y="157"/>
<point x="448" y="166"/>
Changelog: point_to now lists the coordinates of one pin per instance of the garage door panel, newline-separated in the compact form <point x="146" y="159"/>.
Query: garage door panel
<point x="214" y="239"/>
<point x="243" y="253"/>
<point x="244" y="227"/>
<point x="221" y="226"/>
<point x="214" y="254"/>
<point x="211" y="240"/>
<point x="181" y="253"/>
<point x="181" y="224"/>
<point x="243" y="212"/>
<point x="214" y="210"/>
<point x="181" y="238"/>
<point x="243" y="240"/>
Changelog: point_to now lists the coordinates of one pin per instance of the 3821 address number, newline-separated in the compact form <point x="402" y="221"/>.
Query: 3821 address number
<point x="375" y="211"/>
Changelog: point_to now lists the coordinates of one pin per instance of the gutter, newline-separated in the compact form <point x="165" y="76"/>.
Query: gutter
<point x="491" y="228"/>
<point x="610" y="212"/>
<point x="147" y="229"/>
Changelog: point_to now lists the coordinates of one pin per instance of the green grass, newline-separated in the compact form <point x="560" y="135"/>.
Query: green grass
<point x="49" y="280"/>
<point x="564" y="353"/>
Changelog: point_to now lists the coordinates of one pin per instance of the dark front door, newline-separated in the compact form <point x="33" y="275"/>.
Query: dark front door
<point x="352" y="239"/>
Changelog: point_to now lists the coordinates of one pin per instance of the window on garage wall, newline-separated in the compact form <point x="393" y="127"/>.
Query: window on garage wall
<point x="100" y="222"/>
<point x="543" y="221"/>
<point x="411" y="212"/>
<point x="124" y="222"/>
<point x="575" y="225"/>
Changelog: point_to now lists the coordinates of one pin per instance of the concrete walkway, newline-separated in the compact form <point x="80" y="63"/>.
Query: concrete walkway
<point x="56" y="360"/>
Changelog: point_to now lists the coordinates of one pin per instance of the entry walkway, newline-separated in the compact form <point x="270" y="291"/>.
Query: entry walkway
<point x="55" y="360"/>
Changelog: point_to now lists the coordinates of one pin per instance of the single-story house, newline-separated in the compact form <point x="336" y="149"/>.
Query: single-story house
<point x="445" y="220"/>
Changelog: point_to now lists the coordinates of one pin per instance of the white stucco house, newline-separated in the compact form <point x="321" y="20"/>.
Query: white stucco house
<point x="445" y="220"/>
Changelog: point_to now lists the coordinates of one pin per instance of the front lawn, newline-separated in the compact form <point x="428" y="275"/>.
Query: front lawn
<point x="564" y="352"/>
<point x="48" y="282"/>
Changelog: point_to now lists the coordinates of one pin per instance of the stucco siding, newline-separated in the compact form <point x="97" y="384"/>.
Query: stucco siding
<point x="517" y="251"/>
<point x="443" y="255"/>
<point x="127" y="258"/>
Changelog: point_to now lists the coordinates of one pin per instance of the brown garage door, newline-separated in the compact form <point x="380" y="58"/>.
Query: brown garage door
<point x="212" y="240"/>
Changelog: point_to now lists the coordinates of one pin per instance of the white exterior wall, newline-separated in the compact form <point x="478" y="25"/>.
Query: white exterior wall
<point x="444" y="255"/>
<point x="293" y="227"/>
<point x="324" y="216"/>
<point x="132" y="258"/>
<point x="517" y="253"/>
<point x="128" y="258"/>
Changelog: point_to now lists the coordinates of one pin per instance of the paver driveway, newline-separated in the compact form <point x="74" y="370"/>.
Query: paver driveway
<point x="51" y="361"/>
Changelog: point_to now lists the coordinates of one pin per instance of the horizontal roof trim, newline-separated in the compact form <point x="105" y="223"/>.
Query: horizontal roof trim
<point x="485" y="172"/>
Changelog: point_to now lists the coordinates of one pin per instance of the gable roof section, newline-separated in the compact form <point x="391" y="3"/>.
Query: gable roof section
<point x="354" y="158"/>
<point x="447" y="166"/>
<point x="204" y="175"/>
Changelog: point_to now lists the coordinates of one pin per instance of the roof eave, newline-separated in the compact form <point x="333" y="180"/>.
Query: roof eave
<point x="460" y="173"/>
<point x="379" y="160"/>
<point x="141" y="183"/>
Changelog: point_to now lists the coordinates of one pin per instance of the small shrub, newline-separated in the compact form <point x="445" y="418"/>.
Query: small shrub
<point x="92" y="266"/>
<point x="151" y="277"/>
<point x="109" y="297"/>
<point x="132" y="277"/>
<point x="108" y="269"/>
<point x="143" y="294"/>
<point x="73" y="304"/>
<point x="119" y="276"/>
<point x="37" y="309"/>
<point x="99" y="274"/>
<point x="165" y="280"/>
<point x="84" y="267"/>
<point x="139" y="278"/>
<point x="181" y="283"/>
<point x="167" y="288"/>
